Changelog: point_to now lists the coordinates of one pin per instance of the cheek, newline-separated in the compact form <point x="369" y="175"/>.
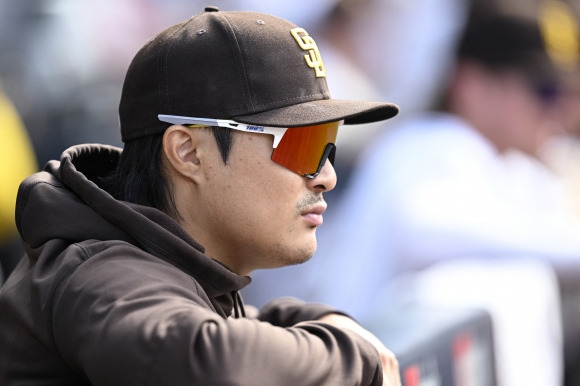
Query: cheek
<point x="260" y="190"/>
<point x="272" y="194"/>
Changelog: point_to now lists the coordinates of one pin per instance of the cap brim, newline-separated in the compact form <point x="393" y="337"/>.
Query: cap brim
<point x="322" y="111"/>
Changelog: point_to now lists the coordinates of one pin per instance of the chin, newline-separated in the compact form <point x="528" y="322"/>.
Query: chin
<point x="298" y="258"/>
<point x="293" y="253"/>
<point x="303" y="260"/>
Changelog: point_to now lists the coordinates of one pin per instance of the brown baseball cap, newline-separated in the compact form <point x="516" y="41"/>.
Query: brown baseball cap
<point x="250" y="67"/>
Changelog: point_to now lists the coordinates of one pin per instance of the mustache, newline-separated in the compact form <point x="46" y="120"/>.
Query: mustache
<point x="309" y="201"/>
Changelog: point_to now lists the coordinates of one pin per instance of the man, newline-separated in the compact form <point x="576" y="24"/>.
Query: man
<point x="135" y="259"/>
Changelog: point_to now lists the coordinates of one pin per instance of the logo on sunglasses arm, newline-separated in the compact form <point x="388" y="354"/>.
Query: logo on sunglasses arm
<point x="313" y="59"/>
<point x="257" y="129"/>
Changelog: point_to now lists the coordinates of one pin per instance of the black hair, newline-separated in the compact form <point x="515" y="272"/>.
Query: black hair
<point x="506" y="42"/>
<point x="140" y="177"/>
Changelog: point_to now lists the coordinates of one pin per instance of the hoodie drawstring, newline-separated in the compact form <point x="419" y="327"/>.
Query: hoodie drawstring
<point x="238" y="305"/>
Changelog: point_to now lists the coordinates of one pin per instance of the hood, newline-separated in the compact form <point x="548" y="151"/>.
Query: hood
<point x="64" y="202"/>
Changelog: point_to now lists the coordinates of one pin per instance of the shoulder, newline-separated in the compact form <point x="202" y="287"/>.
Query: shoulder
<point x="108" y="270"/>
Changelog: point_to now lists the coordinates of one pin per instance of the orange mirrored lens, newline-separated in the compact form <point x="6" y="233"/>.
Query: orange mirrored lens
<point x="301" y="148"/>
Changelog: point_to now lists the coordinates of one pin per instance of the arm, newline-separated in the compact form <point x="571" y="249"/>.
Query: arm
<point x="137" y="322"/>
<point x="289" y="311"/>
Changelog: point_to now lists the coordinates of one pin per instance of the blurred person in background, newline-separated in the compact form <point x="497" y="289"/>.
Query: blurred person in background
<point x="468" y="180"/>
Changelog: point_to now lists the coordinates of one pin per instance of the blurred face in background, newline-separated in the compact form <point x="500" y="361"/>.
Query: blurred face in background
<point x="508" y="108"/>
<point x="530" y="111"/>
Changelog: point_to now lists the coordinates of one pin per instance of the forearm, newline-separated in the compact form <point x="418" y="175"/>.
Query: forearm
<point x="286" y="312"/>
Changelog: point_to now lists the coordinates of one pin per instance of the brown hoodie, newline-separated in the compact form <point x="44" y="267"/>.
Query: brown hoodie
<point x="113" y="293"/>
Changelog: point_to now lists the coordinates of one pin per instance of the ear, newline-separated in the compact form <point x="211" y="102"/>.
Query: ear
<point x="181" y="147"/>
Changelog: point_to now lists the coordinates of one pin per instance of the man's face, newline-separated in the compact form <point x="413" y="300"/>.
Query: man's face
<point x="255" y="213"/>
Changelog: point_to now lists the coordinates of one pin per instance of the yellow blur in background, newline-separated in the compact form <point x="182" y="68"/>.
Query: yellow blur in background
<point x="17" y="161"/>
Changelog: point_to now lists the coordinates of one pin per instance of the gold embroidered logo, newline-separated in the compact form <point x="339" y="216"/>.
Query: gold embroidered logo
<point x="313" y="59"/>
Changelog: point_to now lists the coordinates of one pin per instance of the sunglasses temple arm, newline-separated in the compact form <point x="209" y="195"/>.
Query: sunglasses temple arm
<point x="329" y="151"/>
<point x="277" y="132"/>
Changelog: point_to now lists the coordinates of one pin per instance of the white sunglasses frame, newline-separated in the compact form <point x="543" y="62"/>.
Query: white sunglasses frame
<point x="277" y="132"/>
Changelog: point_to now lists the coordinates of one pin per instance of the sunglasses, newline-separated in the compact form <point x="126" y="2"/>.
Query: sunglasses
<point x="304" y="150"/>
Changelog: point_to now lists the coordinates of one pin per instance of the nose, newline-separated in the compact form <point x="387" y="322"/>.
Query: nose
<point x="325" y="180"/>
